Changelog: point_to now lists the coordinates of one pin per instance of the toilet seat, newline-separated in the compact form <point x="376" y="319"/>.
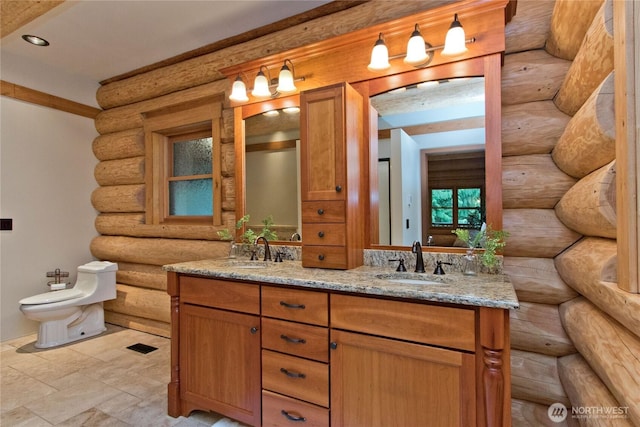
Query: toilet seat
<point x="50" y="297"/>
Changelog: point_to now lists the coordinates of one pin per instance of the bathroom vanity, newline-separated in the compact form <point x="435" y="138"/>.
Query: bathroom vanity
<point x="276" y="344"/>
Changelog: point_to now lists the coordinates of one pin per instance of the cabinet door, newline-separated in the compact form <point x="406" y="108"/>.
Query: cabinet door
<point x="322" y="144"/>
<point x="220" y="362"/>
<point x="383" y="382"/>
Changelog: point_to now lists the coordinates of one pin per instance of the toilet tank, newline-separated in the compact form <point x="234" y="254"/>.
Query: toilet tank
<point x="98" y="280"/>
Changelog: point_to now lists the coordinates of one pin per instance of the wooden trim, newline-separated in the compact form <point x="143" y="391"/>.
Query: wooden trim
<point x="626" y="84"/>
<point x="33" y="96"/>
<point x="16" y="14"/>
<point x="273" y="145"/>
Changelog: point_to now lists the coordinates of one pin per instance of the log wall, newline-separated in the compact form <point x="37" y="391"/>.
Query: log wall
<point x="576" y="331"/>
<point x="542" y="105"/>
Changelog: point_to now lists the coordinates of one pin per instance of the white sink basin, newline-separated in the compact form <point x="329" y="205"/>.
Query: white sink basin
<point x="409" y="279"/>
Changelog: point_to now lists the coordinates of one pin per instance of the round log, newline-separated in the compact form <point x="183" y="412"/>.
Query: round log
<point x="132" y="116"/>
<point x="228" y="158"/>
<point x="204" y="69"/>
<point x="142" y="275"/>
<point x="133" y="224"/>
<point x="591" y="65"/>
<point x="589" y="207"/>
<point x="141" y="302"/>
<point x="531" y="128"/>
<point x="120" y="171"/>
<point x="155" y="251"/>
<point x="585" y="389"/>
<point x="533" y="181"/>
<point x="529" y="28"/>
<point x="569" y="23"/>
<point x="154" y="327"/>
<point x="609" y="348"/>
<point x="536" y="233"/>
<point x="589" y="267"/>
<point x="537" y="328"/>
<point x="537" y="280"/>
<point x="588" y="142"/>
<point x="531" y="76"/>
<point x="119" y="145"/>
<point x="119" y="198"/>
<point x="529" y="414"/>
<point x="534" y="377"/>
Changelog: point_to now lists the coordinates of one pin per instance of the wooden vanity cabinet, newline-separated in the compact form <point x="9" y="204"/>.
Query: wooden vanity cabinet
<point x="216" y="328"/>
<point x="331" y="165"/>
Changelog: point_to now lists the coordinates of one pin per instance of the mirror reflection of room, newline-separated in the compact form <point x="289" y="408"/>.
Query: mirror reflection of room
<point x="272" y="145"/>
<point x="431" y="166"/>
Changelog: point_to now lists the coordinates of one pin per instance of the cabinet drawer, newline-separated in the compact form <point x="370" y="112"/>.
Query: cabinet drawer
<point x="282" y="411"/>
<point x="224" y="294"/>
<point x="296" y="305"/>
<point x="307" y="341"/>
<point x="423" y="323"/>
<point x="324" y="256"/>
<point x="324" y="234"/>
<point x="323" y="211"/>
<point x="296" y="377"/>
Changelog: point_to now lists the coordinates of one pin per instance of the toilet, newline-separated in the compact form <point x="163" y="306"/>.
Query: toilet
<point x="76" y="313"/>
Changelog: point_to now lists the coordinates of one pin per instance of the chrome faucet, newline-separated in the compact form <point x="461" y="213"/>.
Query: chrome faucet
<point x="416" y="248"/>
<point x="267" y="251"/>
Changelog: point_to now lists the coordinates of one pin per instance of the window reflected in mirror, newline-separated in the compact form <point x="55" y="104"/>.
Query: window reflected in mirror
<point x="272" y="157"/>
<point x="431" y="152"/>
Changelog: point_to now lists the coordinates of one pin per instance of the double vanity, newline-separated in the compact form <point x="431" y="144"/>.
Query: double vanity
<point x="277" y="344"/>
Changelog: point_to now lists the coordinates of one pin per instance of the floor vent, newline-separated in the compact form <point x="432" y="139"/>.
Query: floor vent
<point x="142" y="348"/>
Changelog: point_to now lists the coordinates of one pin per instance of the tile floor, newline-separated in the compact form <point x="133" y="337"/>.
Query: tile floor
<point x="94" y="382"/>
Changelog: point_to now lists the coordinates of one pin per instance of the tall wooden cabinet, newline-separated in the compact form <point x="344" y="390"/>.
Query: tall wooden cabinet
<point x="332" y="151"/>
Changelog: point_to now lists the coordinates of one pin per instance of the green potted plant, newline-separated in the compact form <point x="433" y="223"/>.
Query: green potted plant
<point x="249" y="237"/>
<point x="490" y="240"/>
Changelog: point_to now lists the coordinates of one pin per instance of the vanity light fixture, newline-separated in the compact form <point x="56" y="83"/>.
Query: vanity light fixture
<point x="291" y="110"/>
<point x="420" y="53"/>
<point x="263" y="84"/>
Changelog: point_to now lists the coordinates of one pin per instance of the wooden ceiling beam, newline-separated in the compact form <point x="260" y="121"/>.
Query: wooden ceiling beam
<point x="14" y="14"/>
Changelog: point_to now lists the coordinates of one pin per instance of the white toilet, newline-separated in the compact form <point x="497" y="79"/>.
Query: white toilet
<point x="72" y="314"/>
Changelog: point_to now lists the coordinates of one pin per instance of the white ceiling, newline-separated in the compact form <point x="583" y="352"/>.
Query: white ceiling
<point x="93" y="40"/>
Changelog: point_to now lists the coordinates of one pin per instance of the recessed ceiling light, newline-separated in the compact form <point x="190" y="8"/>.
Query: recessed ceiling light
<point x="38" y="41"/>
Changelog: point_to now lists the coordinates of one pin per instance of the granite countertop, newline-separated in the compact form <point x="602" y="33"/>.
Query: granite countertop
<point x="483" y="290"/>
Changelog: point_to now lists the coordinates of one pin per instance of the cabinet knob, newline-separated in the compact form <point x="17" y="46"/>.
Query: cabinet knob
<point x="320" y="211"/>
<point x="338" y="188"/>
<point x="292" y="417"/>
<point x="320" y="233"/>
<point x="333" y="345"/>
<point x="321" y="257"/>
<point x="253" y="330"/>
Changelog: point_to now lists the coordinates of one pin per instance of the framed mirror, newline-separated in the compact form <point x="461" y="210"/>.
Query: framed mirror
<point x="267" y="163"/>
<point x="435" y="153"/>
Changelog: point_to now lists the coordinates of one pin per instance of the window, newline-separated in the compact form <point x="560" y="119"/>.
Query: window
<point x="456" y="207"/>
<point x="183" y="150"/>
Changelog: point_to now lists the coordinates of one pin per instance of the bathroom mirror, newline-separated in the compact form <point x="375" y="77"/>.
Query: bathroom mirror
<point x="432" y="164"/>
<point x="271" y="153"/>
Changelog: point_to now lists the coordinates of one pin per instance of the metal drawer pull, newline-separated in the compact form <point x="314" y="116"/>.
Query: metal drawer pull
<point x="338" y="188"/>
<point x="321" y="257"/>
<point x="291" y="417"/>
<point x="253" y="330"/>
<point x="298" y="306"/>
<point x="320" y="233"/>
<point x="320" y="211"/>
<point x="292" y="374"/>
<point x="293" y="340"/>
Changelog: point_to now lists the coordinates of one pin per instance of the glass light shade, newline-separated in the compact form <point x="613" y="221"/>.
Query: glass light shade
<point x="285" y="80"/>
<point x="261" y="86"/>
<point x="238" y="91"/>
<point x="416" y="49"/>
<point x="379" y="56"/>
<point x="454" y="43"/>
